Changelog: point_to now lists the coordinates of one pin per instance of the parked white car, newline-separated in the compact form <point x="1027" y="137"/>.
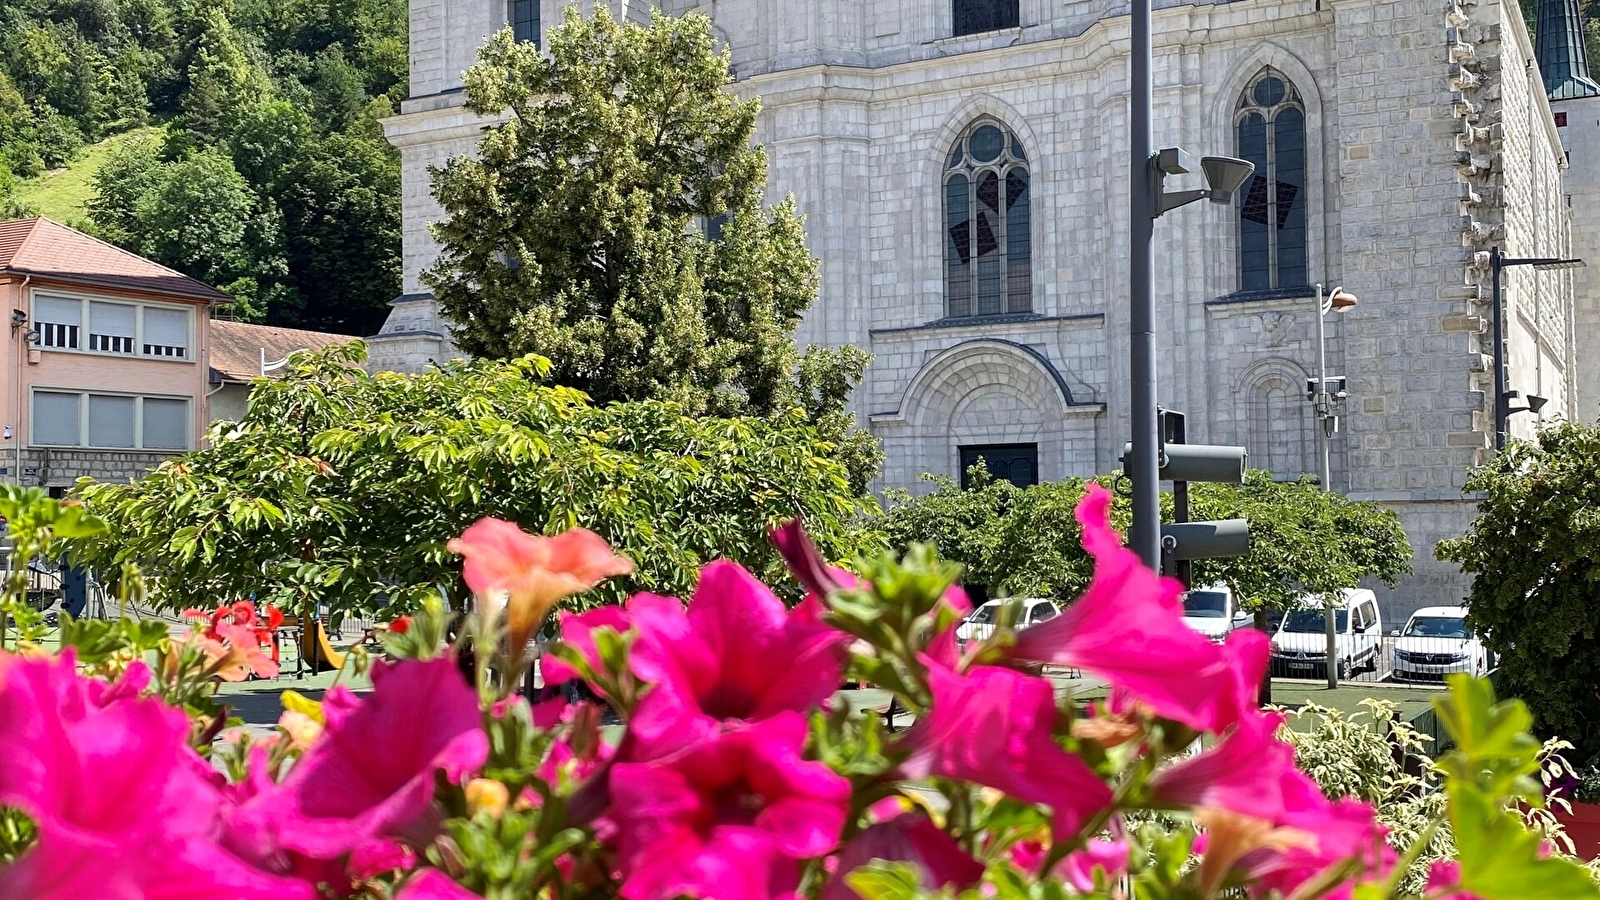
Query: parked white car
<point x="979" y="625"/>
<point x="1438" y="641"/>
<point x="1213" y="611"/>
<point x="1301" y="645"/>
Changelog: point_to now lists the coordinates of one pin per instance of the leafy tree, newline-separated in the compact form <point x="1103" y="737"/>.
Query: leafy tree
<point x="343" y="488"/>
<point x="223" y="81"/>
<point x="580" y="231"/>
<point x="1026" y="541"/>
<point x="1536" y="576"/>
<point x="341" y="207"/>
<point x="133" y="170"/>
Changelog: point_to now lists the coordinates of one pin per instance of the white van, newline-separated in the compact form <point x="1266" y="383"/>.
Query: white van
<point x="1213" y="611"/>
<point x="1301" y="645"/>
<point x="979" y="625"/>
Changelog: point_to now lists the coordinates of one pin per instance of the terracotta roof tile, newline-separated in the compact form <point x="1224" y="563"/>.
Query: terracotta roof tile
<point x="236" y="348"/>
<point x="39" y="246"/>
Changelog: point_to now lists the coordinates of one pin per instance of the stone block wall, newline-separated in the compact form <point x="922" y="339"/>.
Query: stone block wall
<point x="63" y="468"/>
<point x="1580" y="134"/>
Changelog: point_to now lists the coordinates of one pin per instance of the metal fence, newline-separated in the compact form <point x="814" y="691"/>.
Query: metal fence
<point x="1386" y="658"/>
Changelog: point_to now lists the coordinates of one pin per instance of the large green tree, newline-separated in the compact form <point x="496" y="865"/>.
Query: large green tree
<point x="1026" y="541"/>
<point x="614" y="222"/>
<point x="1534" y="556"/>
<point x="342" y="488"/>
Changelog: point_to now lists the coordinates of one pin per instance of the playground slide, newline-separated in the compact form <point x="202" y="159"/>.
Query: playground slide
<point x="317" y="652"/>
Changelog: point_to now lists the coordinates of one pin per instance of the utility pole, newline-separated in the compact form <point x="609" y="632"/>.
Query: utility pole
<point x="1142" y="211"/>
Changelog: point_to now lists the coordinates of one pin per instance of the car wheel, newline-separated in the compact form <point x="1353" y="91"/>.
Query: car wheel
<point x="1345" y="670"/>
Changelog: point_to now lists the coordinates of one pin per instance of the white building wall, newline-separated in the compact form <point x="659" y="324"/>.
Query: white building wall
<point x="1403" y="99"/>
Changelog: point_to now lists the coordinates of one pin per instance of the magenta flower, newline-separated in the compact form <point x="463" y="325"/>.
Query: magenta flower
<point x="577" y="632"/>
<point x="432" y="884"/>
<point x="1128" y="628"/>
<point x="1107" y="857"/>
<point x="1245" y="773"/>
<point x="371" y="773"/>
<point x="151" y="830"/>
<point x="993" y="727"/>
<point x="728" y="817"/>
<point x="1329" y="833"/>
<point x="737" y="653"/>
<point x="906" y="838"/>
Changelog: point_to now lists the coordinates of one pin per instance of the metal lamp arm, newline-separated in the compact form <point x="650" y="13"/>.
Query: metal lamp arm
<point x="1176" y="199"/>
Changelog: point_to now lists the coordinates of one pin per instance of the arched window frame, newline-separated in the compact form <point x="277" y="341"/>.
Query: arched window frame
<point x="1269" y="128"/>
<point x="998" y="280"/>
<point x="525" y="24"/>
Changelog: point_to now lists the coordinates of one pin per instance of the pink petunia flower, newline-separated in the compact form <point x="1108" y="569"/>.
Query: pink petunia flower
<point x="1128" y="628"/>
<point x="992" y="726"/>
<point x="1443" y="877"/>
<point x="728" y="817"/>
<point x="1244" y="773"/>
<point x="153" y="831"/>
<point x="737" y="653"/>
<point x="535" y="572"/>
<point x="370" y="775"/>
<point x="577" y="632"/>
<point x="1107" y="857"/>
<point x="906" y="838"/>
<point x="432" y="884"/>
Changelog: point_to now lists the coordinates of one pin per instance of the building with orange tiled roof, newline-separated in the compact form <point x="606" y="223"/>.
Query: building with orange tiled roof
<point x="241" y="353"/>
<point x="106" y="367"/>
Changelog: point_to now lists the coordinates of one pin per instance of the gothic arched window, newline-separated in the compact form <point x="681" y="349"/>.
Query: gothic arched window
<point x="525" y="21"/>
<point x="1271" y="127"/>
<point x="988" y="249"/>
<point x="978" y="16"/>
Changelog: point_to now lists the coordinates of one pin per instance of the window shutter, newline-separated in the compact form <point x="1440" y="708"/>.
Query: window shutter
<point x="111" y="327"/>
<point x="166" y="424"/>
<point x="110" y="421"/>
<point x="166" y="332"/>
<point x="55" y="419"/>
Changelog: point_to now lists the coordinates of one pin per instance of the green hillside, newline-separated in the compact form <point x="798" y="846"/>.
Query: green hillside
<point x="61" y="194"/>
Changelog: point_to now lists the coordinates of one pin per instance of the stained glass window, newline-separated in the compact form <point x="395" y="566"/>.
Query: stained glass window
<point x="1270" y="125"/>
<point x="977" y="16"/>
<point x="988" y="251"/>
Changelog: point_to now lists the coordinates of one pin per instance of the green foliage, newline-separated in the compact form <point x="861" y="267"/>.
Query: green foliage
<point x="1377" y="758"/>
<point x="579" y="231"/>
<point x="305" y="231"/>
<point x="36" y="526"/>
<point x="1495" y="763"/>
<point x="1027" y="542"/>
<point x="1534" y="598"/>
<point x="343" y="488"/>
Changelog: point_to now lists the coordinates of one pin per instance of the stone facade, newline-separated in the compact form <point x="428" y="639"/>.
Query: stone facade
<point x="1426" y="141"/>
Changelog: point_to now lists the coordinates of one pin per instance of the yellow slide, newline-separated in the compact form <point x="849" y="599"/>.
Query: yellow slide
<point x="317" y="652"/>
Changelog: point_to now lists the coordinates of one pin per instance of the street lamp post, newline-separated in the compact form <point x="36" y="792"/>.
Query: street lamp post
<point x="1498" y="261"/>
<point x="1324" y="401"/>
<point x="1146" y="202"/>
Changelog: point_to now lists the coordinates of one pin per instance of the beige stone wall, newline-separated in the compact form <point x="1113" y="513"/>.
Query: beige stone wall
<point x="1427" y="142"/>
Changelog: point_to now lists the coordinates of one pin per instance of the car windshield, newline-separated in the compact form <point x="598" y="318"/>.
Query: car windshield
<point x="984" y="615"/>
<point x="1438" y="626"/>
<point x="1205" y="605"/>
<point x="1314" y="621"/>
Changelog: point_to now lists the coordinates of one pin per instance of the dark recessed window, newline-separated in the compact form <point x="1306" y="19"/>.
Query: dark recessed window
<point x="988" y="244"/>
<point x="1016" y="463"/>
<point x="976" y="16"/>
<point x="1270" y="122"/>
<point x="525" y="21"/>
<point x="1561" y="120"/>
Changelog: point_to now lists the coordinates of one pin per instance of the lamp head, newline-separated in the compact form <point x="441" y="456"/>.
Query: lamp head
<point x="18" y="318"/>
<point x="1225" y="175"/>
<point x="1536" y="403"/>
<point x="1341" y="300"/>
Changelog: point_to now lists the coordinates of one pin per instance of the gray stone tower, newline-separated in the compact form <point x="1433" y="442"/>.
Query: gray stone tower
<point x="1575" y="101"/>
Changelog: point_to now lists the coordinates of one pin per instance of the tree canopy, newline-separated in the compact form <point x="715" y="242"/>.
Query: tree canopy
<point x="272" y="103"/>
<point x="614" y="223"/>
<point x="343" y="487"/>
<point x="1535" y="571"/>
<point x="1026" y="541"/>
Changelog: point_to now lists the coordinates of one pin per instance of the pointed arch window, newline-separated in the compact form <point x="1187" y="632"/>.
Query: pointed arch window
<point x="988" y="243"/>
<point x="525" y="21"/>
<point x="1270" y="127"/>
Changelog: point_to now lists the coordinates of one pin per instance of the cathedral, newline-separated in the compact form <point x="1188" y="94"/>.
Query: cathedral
<point x="963" y="169"/>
